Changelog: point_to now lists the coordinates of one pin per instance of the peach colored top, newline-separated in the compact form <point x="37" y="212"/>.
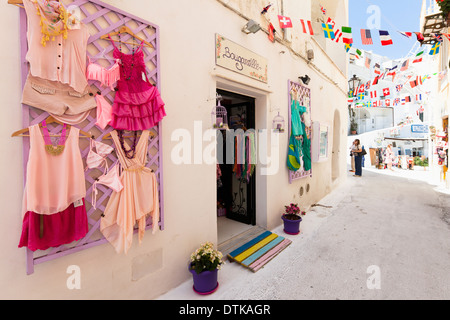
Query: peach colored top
<point x="53" y="182"/>
<point x="135" y="202"/>
<point x="62" y="60"/>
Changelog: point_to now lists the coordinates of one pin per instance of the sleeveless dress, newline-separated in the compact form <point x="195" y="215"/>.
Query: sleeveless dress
<point x="137" y="103"/>
<point x="135" y="202"/>
<point x="53" y="208"/>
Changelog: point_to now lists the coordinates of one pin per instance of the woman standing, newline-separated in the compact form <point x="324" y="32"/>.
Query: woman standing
<point x="357" y="149"/>
<point x="389" y="157"/>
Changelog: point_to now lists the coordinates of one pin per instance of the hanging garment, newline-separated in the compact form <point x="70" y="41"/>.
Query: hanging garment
<point x="98" y="159"/>
<point x="104" y="112"/>
<point x="245" y="155"/>
<point x="106" y="77"/>
<point x="137" y="103"/>
<point x="110" y="179"/>
<point x="135" y="202"/>
<point x="294" y="154"/>
<point x="55" y="186"/>
<point x="306" y="148"/>
<point x="296" y="111"/>
<point x="62" y="59"/>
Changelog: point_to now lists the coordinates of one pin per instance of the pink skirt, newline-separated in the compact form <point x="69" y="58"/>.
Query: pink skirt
<point x="135" y="111"/>
<point x="57" y="229"/>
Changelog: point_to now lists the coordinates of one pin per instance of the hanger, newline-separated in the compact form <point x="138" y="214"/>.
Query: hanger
<point x="125" y="29"/>
<point x="50" y="119"/>
<point x="108" y="135"/>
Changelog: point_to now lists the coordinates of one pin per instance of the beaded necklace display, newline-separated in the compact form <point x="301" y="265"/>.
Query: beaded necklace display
<point x="49" y="147"/>
<point x="133" y="51"/>
<point x="132" y="151"/>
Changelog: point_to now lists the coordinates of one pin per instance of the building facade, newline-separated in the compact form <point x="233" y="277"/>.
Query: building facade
<point x="194" y="37"/>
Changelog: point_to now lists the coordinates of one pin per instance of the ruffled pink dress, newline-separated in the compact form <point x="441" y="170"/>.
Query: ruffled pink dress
<point x="137" y="103"/>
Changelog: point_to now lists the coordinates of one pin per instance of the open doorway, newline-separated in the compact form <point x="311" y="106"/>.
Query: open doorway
<point x="236" y="192"/>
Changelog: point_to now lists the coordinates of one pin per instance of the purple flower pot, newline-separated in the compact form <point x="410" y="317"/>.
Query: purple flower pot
<point x="291" y="226"/>
<point x="205" y="282"/>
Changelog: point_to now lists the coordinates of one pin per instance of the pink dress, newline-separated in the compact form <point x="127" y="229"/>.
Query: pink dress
<point x="53" y="211"/>
<point x="137" y="103"/>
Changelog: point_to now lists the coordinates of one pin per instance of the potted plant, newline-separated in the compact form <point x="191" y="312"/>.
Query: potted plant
<point x="291" y="219"/>
<point x="204" y="265"/>
<point x="353" y="126"/>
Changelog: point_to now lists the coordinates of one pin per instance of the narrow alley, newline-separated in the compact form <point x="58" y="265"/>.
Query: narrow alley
<point x="382" y="236"/>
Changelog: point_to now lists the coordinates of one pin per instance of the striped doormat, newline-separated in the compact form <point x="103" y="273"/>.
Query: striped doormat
<point x="260" y="246"/>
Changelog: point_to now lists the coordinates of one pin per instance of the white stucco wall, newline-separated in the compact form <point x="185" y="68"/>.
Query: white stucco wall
<point x="189" y="79"/>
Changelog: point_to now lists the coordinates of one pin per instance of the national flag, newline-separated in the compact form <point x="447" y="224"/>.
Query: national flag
<point x="350" y="100"/>
<point x="399" y="87"/>
<point x="437" y="36"/>
<point x="369" y="104"/>
<point x="377" y="69"/>
<point x="375" y="81"/>
<point x="285" y="22"/>
<point x="435" y="49"/>
<point x="386" y="92"/>
<point x="366" y="36"/>
<point x="373" y="94"/>
<point x="416" y="82"/>
<point x="368" y="61"/>
<point x="347" y="32"/>
<point x="338" y="35"/>
<point x="324" y="11"/>
<point x="265" y="9"/>
<point x="328" y="31"/>
<point x="358" y="53"/>
<point x="447" y="35"/>
<point x="420" y="37"/>
<point x="361" y="89"/>
<point x="271" y="32"/>
<point x="388" y="102"/>
<point x="332" y="22"/>
<point x="307" y="27"/>
<point x="419" y="97"/>
<point x="406" y="100"/>
<point x="418" y="57"/>
<point x="367" y="85"/>
<point x="361" y="96"/>
<point x="385" y="38"/>
<point x="348" y="47"/>
<point x="405" y="65"/>
<point x="375" y="104"/>
<point x="396" y="101"/>
<point x="406" y="34"/>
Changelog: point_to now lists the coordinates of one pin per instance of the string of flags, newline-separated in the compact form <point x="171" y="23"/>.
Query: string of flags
<point x="344" y="33"/>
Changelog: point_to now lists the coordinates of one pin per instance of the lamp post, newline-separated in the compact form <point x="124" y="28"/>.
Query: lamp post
<point x="353" y="84"/>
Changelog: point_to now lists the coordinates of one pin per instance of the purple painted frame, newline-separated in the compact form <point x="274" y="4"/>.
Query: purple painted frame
<point x="304" y="92"/>
<point x="32" y="116"/>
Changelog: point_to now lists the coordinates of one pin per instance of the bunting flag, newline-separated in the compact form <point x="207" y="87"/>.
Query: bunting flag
<point x="361" y="96"/>
<point x="271" y="32"/>
<point x="399" y="87"/>
<point x="385" y="38"/>
<point x="324" y="11"/>
<point x="373" y="94"/>
<point x="388" y="102"/>
<point x="419" y="97"/>
<point x="418" y="57"/>
<point x="435" y="49"/>
<point x="348" y="37"/>
<point x="348" y="47"/>
<point x="416" y="82"/>
<point x="368" y="61"/>
<point x="437" y="36"/>
<point x="265" y="9"/>
<point x="386" y="92"/>
<point x="331" y="21"/>
<point x="405" y="65"/>
<point x="366" y="37"/>
<point x="328" y="30"/>
<point x="338" y="35"/>
<point x="420" y="37"/>
<point x="406" y="34"/>
<point x="369" y="104"/>
<point x="377" y="69"/>
<point x="285" y="22"/>
<point x="375" y="81"/>
<point x="396" y="102"/>
<point x="307" y="27"/>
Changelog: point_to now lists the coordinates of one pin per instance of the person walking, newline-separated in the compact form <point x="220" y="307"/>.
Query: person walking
<point x="389" y="157"/>
<point x="358" y="157"/>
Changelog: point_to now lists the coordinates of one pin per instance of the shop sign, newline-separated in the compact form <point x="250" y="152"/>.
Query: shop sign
<point x="234" y="57"/>
<point x="419" y="128"/>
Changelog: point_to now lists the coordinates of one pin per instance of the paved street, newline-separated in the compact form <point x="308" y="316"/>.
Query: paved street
<point x="383" y="236"/>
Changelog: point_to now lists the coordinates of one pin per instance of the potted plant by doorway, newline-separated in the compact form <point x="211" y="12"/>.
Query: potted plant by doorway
<point x="204" y="265"/>
<point x="291" y="219"/>
<point x="353" y="126"/>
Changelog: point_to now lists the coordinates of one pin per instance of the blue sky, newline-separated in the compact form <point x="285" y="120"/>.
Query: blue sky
<point x="395" y="15"/>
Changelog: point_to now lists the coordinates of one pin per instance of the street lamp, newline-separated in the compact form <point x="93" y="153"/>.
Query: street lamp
<point x="354" y="83"/>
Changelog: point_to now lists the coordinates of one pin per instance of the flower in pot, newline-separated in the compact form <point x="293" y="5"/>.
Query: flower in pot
<point x="291" y="219"/>
<point x="353" y="126"/>
<point x="204" y="265"/>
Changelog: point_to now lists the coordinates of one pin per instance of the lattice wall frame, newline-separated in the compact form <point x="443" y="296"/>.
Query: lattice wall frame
<point x="304" y="96"/>
<point x="101" y="19"/>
